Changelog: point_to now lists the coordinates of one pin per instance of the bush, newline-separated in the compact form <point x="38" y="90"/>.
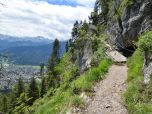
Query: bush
<point x="96" y="42"/>
<point x="98" y="56"/>
<point x="138" y="95"/>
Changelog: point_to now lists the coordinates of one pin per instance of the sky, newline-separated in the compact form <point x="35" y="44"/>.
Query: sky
<point x="48" y="18"/>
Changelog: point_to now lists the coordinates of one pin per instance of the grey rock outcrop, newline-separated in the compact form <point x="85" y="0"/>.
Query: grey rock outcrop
<point x="134" y="20"/>
<point x="92" y="30"/>
<point x="83" y="58"/>
<point x="147" y="73"/>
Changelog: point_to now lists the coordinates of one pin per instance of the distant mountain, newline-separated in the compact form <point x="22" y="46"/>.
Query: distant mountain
<point x="11" y="41"/>
<point x="31" y="55"/>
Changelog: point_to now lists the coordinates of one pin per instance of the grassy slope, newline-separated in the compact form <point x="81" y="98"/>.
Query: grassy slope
<point x="69" y="91"/>
<point x="138" y="95"/>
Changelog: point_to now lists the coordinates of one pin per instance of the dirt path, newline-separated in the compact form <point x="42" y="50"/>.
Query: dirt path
<point x="107" y="99"/>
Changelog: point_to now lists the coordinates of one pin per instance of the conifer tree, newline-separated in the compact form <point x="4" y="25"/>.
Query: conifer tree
<point x="51" y="62"/>
<point x="12" y="100"/>
<point x="41" y="69"/>
<point x="67" y="47"/>
<point x="75" y="31"/>
<point x="56" y="50"/>
<point x="20" y="87"/>
<point x="43" y="87"/>
<point x="85" y="26"/>
<point x="5" y="104"/>
<point x="33" y="91"/>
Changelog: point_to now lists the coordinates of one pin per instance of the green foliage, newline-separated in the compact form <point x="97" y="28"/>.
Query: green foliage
<point x="138" y="95"/>
<point x="99" y="28"/>
<point x="33" y="91"/>
<point x="12" y="100"/>
<point x="104" y="6"/>
<point x="75" y="71"/>
<point x="94" y="75"/>
<point x="67" y="47"/>
<point x="52" y="63"/>
<point x="96" y="42"/>
<point x="98" y="73"/>
<point x="20" y="87"/>
<point x="104" y="37"/>
<point x="51" y="81"/>
<point x="42" y="69"/>
<point x="78" y="102"/>
<point x="72" y="85"/>
<point x="75" y="30"/>
<point x="85" y="26"/>
<point x="56" y="50"/>
<point x="43" y="87"/>
<point x="5" y="103"/>
<point x="145" y="45"/>
<point x="135" y="64"/>
<point x="98" y="56"/>
<point x="72" y="50"/>
<point x="19" y="109"/>
<point x="124" y="3"/>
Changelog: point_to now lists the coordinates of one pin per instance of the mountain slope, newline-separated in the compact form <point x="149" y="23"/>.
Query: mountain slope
<point x="31" y="55"/>
<point x="12" y="41"/>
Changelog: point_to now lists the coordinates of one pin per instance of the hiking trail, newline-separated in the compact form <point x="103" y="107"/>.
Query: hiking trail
<point x="107" y="98"/>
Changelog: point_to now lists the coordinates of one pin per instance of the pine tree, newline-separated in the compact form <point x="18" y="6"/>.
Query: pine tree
<point x="43" y="87"/>
<point x="51" y="62"/>
<point x="5" y="104"/>
<point x="56" y="50"/>
<point x="71" y="42"/>
<point x="41" y="69"/>
<point x="33" y="91"/>
<point x="75" y="31"/>
<point x="20" y="87"/>
<point x="12" y="100"/>
<point x="67" y="46"/>
<point x="85" y="26"/>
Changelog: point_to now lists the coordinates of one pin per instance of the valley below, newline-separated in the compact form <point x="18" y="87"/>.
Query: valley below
<point x="12" y="74"/>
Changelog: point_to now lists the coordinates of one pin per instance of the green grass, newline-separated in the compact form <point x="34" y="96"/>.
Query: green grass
<point x="71" y="85"/>
<point x="138" y="95"/>
<point x="68" y="97"/>
<point x="16" y="66"/>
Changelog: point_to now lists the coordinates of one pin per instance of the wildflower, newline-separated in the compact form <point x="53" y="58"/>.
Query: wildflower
<point x="56" y="105"/>
<point x="56" y="108"/>
<point x="70" y="98"/>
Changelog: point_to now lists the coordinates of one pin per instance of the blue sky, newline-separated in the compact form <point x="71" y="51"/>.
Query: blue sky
<point x="62" y="2"/>
<point x="48" y="18"/>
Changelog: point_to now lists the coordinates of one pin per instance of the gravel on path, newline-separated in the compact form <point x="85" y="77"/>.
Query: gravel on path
<point x="108" y="99"/>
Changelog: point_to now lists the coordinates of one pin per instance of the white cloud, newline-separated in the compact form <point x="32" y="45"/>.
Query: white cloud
<point x="38" y="18"/>
<point x="84" y="2"/>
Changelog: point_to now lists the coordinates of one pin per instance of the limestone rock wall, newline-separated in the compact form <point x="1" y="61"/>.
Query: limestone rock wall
<point x="135" y="19"/>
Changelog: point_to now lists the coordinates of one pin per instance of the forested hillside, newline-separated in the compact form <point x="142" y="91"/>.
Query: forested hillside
<point x="123" y="26"/>
<point x="30" y="55"/>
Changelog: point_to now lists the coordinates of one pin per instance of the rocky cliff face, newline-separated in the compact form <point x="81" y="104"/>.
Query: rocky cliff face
<point x="84" y="56"/>
<point x="134" y="20"/>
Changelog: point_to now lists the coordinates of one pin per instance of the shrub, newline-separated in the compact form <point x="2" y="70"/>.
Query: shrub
<point x="95" y="42"/>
